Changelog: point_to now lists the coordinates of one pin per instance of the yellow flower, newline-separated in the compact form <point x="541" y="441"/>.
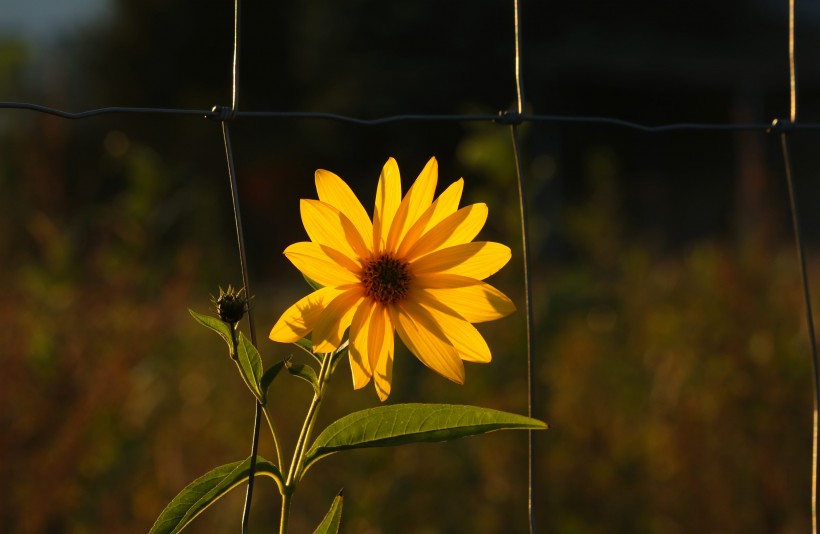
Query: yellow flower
<point x="413" y="269"/>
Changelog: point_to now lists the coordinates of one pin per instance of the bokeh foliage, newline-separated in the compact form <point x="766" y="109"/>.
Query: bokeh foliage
<point x="672" y="349"/>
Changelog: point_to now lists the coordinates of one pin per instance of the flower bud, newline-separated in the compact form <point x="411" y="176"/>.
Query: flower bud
<point x="231" y="305"/>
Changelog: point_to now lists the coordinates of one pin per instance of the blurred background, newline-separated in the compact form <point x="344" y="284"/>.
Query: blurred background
<point x="672" y="350"/>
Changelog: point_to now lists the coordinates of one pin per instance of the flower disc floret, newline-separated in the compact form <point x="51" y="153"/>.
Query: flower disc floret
<point x="386" y="279"/>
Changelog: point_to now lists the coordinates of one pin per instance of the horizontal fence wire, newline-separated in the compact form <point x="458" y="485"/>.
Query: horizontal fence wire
<point x="504" y="117"/>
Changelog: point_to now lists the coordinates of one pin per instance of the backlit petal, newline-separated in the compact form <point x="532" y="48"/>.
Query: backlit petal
<point x="460" y="227"/>
<point x="465" y="338"/>
<point x="327" y="266"/>
<point x="423" y="336"/>
<point x="381" y="348"/>
<point x="388" y="198"/>
<point x="474" y="300"/>
<point x="446" y="204"/>
<point x="299" y="319"/>
<point x="338" y="314"/>
<point x="476" y="260"/>
<point x="328" y="226"/>
<point x="338" y="194"/>
<point x="414" y="204"/>
<point x="359" y="328"/>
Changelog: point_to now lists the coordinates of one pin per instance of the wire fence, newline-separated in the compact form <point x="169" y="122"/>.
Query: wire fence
<point x="512" y="119"/>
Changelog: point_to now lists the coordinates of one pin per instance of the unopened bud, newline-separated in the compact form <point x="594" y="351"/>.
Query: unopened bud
<point x="231" y="305"/>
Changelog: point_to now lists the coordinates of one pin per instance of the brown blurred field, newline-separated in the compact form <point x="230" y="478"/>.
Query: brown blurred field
<point x="672" y="350"/>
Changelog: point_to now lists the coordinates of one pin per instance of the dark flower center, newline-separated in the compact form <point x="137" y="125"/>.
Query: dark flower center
<point x="386" y="279"/>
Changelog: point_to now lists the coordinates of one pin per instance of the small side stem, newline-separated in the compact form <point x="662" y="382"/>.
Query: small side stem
<point x="273" y="433"/>
<point x="235" y="343"/>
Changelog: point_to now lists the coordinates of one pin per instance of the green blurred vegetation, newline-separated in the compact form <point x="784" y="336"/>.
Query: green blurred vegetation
<point x="672" y="355"/>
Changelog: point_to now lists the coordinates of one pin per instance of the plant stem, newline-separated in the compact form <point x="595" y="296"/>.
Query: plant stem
<point x="295" y="470"/>
<point x="275" y="440"/>
<point x="235" y="343"/>
<point x="283" y="523"/>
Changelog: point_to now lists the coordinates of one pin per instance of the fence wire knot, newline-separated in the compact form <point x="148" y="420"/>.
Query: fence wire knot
<point x="222" y="113"/>
<point x="509" y="117"/>
<point x="780" y="126"/>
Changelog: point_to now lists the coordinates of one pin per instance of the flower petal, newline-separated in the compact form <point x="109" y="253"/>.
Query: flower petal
<point x="338" y="194"/>
<point x="381" y="348"/>
<point x="474" y="300"/>
<point x="414" y="204"/>
<point x="388" y="198"/>
<point x="476" y="260"/>
<point x="423" y="336"/>
<point x="359" y="361"/>
<point x="327" y="266"/>
<point x="460" y="227"/>
<point x="469" y="343"/>
<point x="446" y="204"/>
<point x="338" y="314"/>
<point x="328" y="226"/>
<point x="299" y="319"/>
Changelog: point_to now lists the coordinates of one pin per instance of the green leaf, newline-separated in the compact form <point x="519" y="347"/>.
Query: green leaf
<point x="216" y="325"/>
<point x="305" y="372"/>
<point x="207" y="489"/>
<point x="312" y="283"/>
<point x="268" y="378"/>
<point x="307" y="345"/>
<point x="333" y="517"/>
<point x="250" y="366"/>
<point x="338" y="355"/>
<point x="399" y="424"/>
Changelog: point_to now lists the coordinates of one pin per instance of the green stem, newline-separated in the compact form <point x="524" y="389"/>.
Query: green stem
<point x="295" y="470"/>
<point x="235" y="343"/>
<point x="283" y="523"/>
<point x="275" y="440"/>
<point x="310" y="418"/>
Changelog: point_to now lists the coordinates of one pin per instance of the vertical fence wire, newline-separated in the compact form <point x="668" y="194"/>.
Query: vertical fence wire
<point x="522" y="200"/>
<point x="243" y="262"/>
<point x="523" y="213"/>
<point x="792" y="67"/>
<point x="519" y="86"/>
<point x="801" y="256"/>
<point x="237" y="7"/>
<point x="225" y="116"/>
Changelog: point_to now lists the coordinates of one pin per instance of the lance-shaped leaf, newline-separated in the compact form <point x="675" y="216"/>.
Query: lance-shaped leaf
<point x="216" y="325"/>
<point x="305" y="372"/>
<point x="399" y="424"/>
<point x="207" y="489"/>
<point x="338" y="355"/>
<point x="333" y="517"/>
<point x="250" y="366"/>
<point x="316" y="286"/>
